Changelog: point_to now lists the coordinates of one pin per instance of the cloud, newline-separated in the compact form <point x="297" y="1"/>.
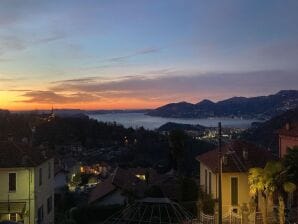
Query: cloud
<point x="80" y="80"/>
<point x="160" y="89"/>
<point x="184" y="86"/>
<point x="135" y="54"/>
<point x="50" y="97"/>
<point x="13" y="43"/>
<point x="6" y="80"/>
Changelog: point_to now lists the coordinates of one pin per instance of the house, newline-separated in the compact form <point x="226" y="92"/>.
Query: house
<point x="106" y="193"/>
<point x="288" y="138"/>
<point x="112" y="191"/>
<point x="238" y="158"/>
<point x="26" y="184"/>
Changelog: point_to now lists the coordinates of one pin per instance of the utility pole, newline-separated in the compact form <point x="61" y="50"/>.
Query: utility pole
<point x="219" y="175"/>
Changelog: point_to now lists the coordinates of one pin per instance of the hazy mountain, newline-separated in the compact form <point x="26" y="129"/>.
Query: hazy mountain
<point x="260" y="107"/>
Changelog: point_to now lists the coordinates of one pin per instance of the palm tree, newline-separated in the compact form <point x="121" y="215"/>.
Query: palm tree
<point x="257" y="185"/>
<point x="277" y="178"/>
<point x="274" y="178"/>
<point x="290" y="161"/>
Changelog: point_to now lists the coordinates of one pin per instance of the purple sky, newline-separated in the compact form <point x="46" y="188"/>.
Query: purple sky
<point x="144" y="53"/>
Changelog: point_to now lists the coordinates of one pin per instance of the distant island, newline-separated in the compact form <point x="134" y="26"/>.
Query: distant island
<point x="261" y="107"/>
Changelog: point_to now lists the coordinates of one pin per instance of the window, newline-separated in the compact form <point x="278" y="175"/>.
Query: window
<point x="12" y="185"/>
<point x="210" y="182"/>
<point x="40" y="176"/>
<point x="234" y="190"/>
<point x="40" y="214"/>
<point x="13" y="217"/>
<point x="49" y="204"/>
<point x="49" y="170"/>
<point x="206" y="181"/>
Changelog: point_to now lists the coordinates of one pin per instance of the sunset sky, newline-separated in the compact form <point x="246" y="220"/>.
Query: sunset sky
<point x="129" y="54"/>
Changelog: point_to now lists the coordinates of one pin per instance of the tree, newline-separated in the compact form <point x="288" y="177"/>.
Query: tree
<point x="290" y="162"/>
<point x="257" y="185"/>
<point x="274" y="178"/>
<point x="177" y="140"/>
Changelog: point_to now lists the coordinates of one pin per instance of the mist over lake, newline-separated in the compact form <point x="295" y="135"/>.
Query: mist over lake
<point x="136" y="120"/>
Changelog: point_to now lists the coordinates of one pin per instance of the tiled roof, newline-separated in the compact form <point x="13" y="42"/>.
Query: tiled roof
<point x="126" y="178"/>
<point x="289" y="130"/>
<point x="102" y="189"/>
<point x="21" y="155"/>
<point x="234" y="158"/>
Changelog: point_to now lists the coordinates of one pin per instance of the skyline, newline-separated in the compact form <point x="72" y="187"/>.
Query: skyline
<point x="143" y="54"/>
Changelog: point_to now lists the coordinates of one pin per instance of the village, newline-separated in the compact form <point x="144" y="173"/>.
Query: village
<point x="82" y="185"/>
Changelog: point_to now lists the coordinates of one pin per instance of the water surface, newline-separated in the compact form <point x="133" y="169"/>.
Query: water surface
<point x="136" y="120"/>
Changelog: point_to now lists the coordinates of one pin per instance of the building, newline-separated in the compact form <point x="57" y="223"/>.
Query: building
<point x="238" y="158"/>
<point x="106" y="193"/>
<point x="26" y="184"/>
<point x="113" y="190"/>
<point x="288" y="138"/>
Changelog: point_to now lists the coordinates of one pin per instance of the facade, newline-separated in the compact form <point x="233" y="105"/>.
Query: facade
<point x="238" y="158"/>
<point x="27" y="184"/>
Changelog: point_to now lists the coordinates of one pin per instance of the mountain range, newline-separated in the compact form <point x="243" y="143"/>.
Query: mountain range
<point x="261" y="107"/>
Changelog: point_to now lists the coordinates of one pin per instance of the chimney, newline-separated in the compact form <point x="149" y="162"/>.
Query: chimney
<point x="10" y="137"/>
<point x="288" y="126"/>
<point x="25" y="140"/>
<point x="245" y="154"/>
<point x="44" y="153"/>
<point x="225" y="160"/>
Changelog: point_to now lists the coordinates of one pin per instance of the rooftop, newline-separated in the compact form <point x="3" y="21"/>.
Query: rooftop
<point x="239" y="156"/>
<point x="289" y="130"/>
<point x="21" y="155"/>
<point x="102" y="189"/>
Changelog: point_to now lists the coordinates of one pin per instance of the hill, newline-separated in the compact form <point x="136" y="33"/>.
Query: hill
<point x="265" y="134"/>
<point x="170" y="126"/>
<point x="254" y="107"/>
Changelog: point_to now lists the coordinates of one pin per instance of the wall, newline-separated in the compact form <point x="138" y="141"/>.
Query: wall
<point x="243" y="187"/>
<point x="24" y="189"/>
<point x="44" y="191"/>
<point x="213" y="180"/>
<point x="243" y="190"/>
<point x="286" y="142"/>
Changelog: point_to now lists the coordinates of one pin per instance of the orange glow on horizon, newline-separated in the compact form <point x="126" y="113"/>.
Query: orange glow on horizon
<point x="104" y="105"/>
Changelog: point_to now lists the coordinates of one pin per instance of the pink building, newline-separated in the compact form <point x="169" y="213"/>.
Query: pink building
<point x="288" y="138"/>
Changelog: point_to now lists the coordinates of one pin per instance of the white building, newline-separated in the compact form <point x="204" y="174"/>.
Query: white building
<point x="26" y="184"/>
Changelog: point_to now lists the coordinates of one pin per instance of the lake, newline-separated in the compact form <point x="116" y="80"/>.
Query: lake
<point x="136" y="120"/>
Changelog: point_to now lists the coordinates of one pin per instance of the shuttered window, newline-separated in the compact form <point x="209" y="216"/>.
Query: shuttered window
<point x="40" y="176"/>
<point x="206" y="180"/>
<point x="210" y="183"/>
<point x="234" y="190"/>
<point x="12" y="182"/>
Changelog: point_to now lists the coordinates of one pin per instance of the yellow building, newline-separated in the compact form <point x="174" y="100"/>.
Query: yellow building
<point x="26" y="184"/>
<point x="238" y="158"/>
